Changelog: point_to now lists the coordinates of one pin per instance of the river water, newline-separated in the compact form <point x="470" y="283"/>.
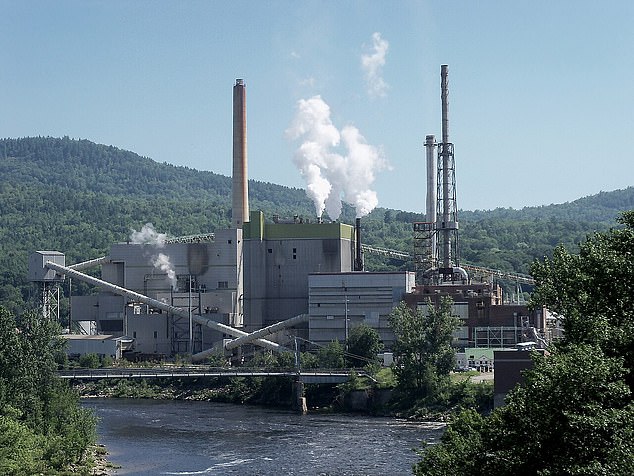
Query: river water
<point x="157" y="437"/>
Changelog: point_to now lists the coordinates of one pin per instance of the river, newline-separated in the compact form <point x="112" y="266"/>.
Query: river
<point x="168" y="437"/>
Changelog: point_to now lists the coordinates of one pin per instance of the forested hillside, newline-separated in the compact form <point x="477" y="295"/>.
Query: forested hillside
<point x="79" y="197"/>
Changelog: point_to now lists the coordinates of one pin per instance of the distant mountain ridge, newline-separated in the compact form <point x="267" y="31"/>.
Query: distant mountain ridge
<point x="79" y="197"/>
<point x="85" y="165"/>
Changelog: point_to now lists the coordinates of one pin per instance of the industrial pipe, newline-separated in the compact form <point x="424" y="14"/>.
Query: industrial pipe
<point x="89" y="263"/>
<point x="266" y="331"/>
<point x="155" y="303"/>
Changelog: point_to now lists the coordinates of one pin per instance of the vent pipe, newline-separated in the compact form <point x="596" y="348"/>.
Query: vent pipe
<point x="240" y="186"/>
<point x="444" y="97"/>
<point x="432" y="194"/>
<point x="358" y="261"/>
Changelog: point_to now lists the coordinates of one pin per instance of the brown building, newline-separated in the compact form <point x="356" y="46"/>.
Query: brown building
<point x="487" y="321"/>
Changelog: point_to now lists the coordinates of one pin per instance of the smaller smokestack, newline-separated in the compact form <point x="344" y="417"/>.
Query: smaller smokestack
<point x="444" y="99"/>
<point x="358" y="260"/>
<point x="432" y="193"/>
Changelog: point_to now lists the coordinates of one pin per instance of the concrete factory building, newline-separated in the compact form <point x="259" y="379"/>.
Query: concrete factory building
<point x="279" y="257"/>
<point x="202" y="277"/>
<point x="338" y="302"/>
<point x="191" y="294"/>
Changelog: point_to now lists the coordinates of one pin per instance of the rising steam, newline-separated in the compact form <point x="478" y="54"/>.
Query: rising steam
<point x="372" y="65"/>
<point x="149" y="236"/>
<point x="162" y="262"/>
<point x="332" y="176"/>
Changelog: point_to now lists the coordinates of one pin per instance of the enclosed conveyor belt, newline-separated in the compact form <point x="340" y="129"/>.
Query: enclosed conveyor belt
<point x="89" y="264"/>
<point x="155" y="303"/>
<point x="272" y="329"/>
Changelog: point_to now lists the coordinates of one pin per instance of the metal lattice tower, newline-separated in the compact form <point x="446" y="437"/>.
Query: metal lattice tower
<point x="446" y="184"/>
<point x="50" y="300"/>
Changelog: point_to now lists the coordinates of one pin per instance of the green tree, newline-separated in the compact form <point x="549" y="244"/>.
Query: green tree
<point x="364" y="343"/>
<point x="50" y="429"/>
<point x="422" y="349"/>
<point x="574" y="414"/>
<point x="592" y="291"/>
<point x="89" y="361"/>
<point x="331" y="356"/>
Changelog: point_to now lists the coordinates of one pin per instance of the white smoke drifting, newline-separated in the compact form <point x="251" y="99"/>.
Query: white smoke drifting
<point x="149" y="236"/>
<point x="332" y="176"/>
<point x="372" y="65"/>
<point x="162" y="262"/>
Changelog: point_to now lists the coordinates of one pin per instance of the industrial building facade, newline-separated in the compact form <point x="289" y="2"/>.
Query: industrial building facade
<point x="279" y="257"/>
<point x="203" y="277"/>
<point x="180" y="296"/>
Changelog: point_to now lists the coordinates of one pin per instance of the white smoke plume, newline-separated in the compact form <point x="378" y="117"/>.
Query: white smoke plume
<point x="162" y="262"/>
<point x="333" y="176"/>
<point x="372" y="65"/>
<point x="149" y="236"/>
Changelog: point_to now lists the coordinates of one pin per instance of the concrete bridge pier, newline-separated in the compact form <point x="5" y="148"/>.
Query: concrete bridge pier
<point x="300" y="400"/>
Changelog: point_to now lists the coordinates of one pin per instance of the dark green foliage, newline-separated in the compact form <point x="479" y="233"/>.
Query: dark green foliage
<point x="21" y="449"/>
<point x="79" y="197"/>
<point x="593" y="290"/>
<point x="43" y="426"/>
<point x="89" y="361"/>
<point x="423" y="353"/>
<point x="574" y="414"/>
<point x="364" y="343"/>
<point x="331" y="356"/>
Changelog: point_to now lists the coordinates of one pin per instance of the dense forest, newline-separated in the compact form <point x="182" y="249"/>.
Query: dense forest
<point x="80" y="197"/>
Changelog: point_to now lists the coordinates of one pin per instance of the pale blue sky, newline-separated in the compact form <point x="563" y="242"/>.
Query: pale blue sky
<point x="541" y="92"/>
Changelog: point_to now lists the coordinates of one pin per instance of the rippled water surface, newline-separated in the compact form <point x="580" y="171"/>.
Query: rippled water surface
<point x="148" y="437"/>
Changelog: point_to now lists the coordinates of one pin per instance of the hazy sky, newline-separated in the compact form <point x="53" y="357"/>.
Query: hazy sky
<point x="541" y="92"/>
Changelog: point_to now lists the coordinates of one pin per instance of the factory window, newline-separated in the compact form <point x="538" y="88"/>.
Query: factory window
<point x="134" y="335"/>
<point x="229" y="241"/>
<point x="270" y="250"/>
<point x="223" y="284"/>
<point x="156" y="334"/>
<point x="294" y="250"/>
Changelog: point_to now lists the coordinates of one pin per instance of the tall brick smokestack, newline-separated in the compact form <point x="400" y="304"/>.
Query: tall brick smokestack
<point x="240" y="186"/>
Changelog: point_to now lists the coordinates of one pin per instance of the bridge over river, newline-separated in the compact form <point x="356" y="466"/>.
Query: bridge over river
<point x="306" y="376"/>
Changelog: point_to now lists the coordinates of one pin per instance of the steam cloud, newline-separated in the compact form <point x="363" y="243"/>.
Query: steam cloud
<point x="149" y="236"/>
<point x="331" y="176"/>
<point x="372" y="65"/>
<point x="162" y="262"/>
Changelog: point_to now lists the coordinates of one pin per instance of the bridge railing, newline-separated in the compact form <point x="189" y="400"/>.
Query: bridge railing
<point x="197" y="372"/>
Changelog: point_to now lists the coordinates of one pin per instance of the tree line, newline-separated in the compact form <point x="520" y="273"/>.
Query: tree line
<point x="79" y="197"/>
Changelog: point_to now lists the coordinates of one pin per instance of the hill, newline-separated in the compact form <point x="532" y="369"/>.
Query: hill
<point x="79" y="197"/>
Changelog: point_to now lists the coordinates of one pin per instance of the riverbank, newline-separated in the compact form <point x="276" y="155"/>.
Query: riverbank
<point x="358" y="395"/>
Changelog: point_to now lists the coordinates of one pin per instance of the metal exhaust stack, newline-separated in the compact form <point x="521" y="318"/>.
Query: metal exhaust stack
<point x="240" y="186"/>
<point x="432" y="194"/>
<point x="358" y="260"/>
<point x="447" y="183"/>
